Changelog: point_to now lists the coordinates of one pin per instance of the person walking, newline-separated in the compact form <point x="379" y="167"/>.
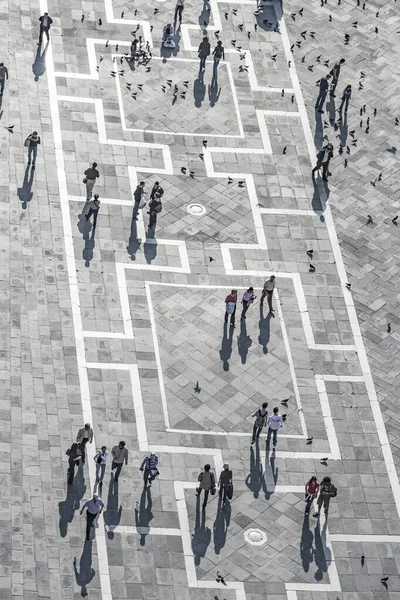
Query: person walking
<point x="326" y="491"/>
<point x="138" y="196"/>
<point x="74" y="456"/>
<point x="335" y="72"/>
<point x="323" y="91"/>
<point x="207" y="483"/>
<point x="247" y="299"/>
<point x="345" y="99"/>
<point x="156" y="189"/>
<point x="323" y="160"/>
<point x="100" y="459"/>
<point x="91" y="174"/>
<point x="218" y="53"/>
<point x="268" y="290"/>
<point x="230" y="304"/>
<point x="94" y="507"/>
<point x="94" y="207"/>
<point x="149" y="468"/>
<point x="180" y="4"/>
<point x="225" y="482"/>
<point x="85" y="435"/>
<point x="155" y="207"/>
<point x="45" y="24"/>
<point x="275" y="422"/>
<point x="261" y="415"/>
<point x="311" y="491"/>
<point x="3" y="77"/>
<point x="120" y="456"/>
<point x="204" y="51"/>
<point x="32" y="142"/>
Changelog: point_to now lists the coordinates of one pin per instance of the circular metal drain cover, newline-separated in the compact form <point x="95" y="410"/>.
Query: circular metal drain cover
<point x="256" y="537"/>
<point x="196" y="209"/>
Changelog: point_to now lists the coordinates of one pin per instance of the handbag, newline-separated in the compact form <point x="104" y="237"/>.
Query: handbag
<point x="230" y="491"/>
<point x="213" y="490"/>
<point x="27" y="142"/>
<point x="142" y="203"/>
<point x="230" y="307"/>
<point x="99" y="460"/>
<point x="85" y="180"/>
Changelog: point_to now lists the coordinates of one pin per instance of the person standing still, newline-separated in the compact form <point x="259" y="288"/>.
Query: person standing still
<point x="91" y="174"/>
<point x="275" y="422"/>
<point x="207" y="483"/>
<point x="335" y="72"/>
<point x="225" y="482"/>
<point x="268" y="290"/>
<point x="156" y="189"/>
<point x="326" y="491"/>
<point x="94" y="207"/>
<point x="120" y="455"/>
<point x="138" y="196"/>
<point x="100" y="459"/>
<point x="247" y="299"/>
<point x="85" y="435"/>
<point x="32" y="141"/>
<point x="45" y="24"/>
<point x="311" y="491"/>
<point x="204" y="51"/>
<point x="94" y="507"/>
<point x="345" y="99"/>
<point x="218" y="53"/>
<point x="323" y="160"/>
<point x="230" y="304"/>
<point x="155" y="207"/>
<point x="178" y="11"/>
<point x="3" y="77"/>
<point x="323" y="91"/>
<point x="261" y="419"/>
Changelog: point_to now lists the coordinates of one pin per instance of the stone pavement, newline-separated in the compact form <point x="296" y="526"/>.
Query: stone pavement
<point x="122" y="325"/>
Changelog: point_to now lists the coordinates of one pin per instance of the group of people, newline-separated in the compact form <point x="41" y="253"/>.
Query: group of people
<point x="248" y="299"/>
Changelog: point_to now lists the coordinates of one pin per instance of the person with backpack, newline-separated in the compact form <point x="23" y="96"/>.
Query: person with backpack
<point x="311" y="491"/>
<point x="261" y="418"/>
<point x="326" y="491"/>
<point x="230" y="303"/>
<point x="155" y="207"/>
<point x="207" y="483"/>
<point x="225" y="484"/>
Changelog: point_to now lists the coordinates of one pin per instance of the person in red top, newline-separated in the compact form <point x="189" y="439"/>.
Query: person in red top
<point x="230" y="302"/>
<point x="311" y="491"/>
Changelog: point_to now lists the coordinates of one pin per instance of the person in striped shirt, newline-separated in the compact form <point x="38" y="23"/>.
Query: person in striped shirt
<point x="149" y="468"/>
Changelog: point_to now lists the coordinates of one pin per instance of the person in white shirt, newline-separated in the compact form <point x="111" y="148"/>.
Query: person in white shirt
<point x="94" y="507"/>
<point x="101" y="460"/>
<point x="268" y="290"/>
<point x="275" y="422"/>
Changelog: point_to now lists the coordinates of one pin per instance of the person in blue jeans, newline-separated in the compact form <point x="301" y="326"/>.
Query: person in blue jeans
<point x="32" y="141"/>
<point x="218" y="53"/>
<point x="275" y="422"/>
<point x="101" y="460"/>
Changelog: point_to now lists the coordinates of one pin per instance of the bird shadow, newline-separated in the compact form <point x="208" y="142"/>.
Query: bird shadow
<point x="199" y="90"/>
<point x="39" y="65"/>
<point x="226" y="346"/>
<point x="244" y="342"/>
<point x="24" y="192"/>
<point x="264" y="326"/>
<point x="86" y="571"/>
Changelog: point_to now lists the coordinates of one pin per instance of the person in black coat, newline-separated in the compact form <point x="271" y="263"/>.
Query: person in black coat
<point x="323" y="160"/>
<point x="45" y="24"/>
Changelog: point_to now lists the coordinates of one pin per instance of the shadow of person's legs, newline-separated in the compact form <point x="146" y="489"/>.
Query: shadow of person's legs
<point x="86" y="571"/>
<point x="24" y="192"/>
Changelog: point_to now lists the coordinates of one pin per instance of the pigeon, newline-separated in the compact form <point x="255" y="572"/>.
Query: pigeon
<point x="373" y="183"/>
<point x="369" y="220"/>
<point x="375" y="111"/>
<point x="293" y="15"/>
<point x="310" y="253"/>
<point x="289" y="64"/>
<point x="380" y="177"/>
<point x="156" y="10"/>
<point x="191" y="174"/>
<point x="389" y="328"/>
<point x="197" y="389"/>
<point x="107" y="43"/>
<point x="312" y="34"/>
<point x="169" y="81"/>
<point x="122" y="15"/>
<point x="311" y="269"/>
<point x="226" y="16"/>
<point x="284" y="150"/>
<point x="274" y="57"/>
<point x="330" y="18"/>
<point x="216" y="33"/>
<point x="211" y="259"/>
<point x="384" y="581"/>
<point x="116" y="48"/>
<point x="324" y="460"/>
<point x="354" y="24"/>
<point x="220" y="579"/>
<point x="249" y="34"/>
<point x="348" y="285"/>
<point x="163" y="88"/>
<point x="394" y="220"/>
<point x="284" y="402"/>
<point x="234" y="11"/>
<point x="362" y="560"/>
<point x="303" y="59"/>
<point x="309" y="440"/>
<point x="100" y="22"/>
<point x="230" y="180"/>
<point x="128" y="86"/>
<point x="284" y="417"/>
<point x="396" y="122"/>
<point x="255" y="26"/>
<point x="10" y="128"/>
<point x="82" y="18"/>
<point x="201" y="156"/>
<point x="318" y="59"/>
<point x="140" y="86"/>
<point x="240" y="27"/>
<point x="148" y="69"/>
<point x="292" y="99"/>
<point x="134" y="94"/>
<point x="301" y="12"/>
<point x="376" y="30"/>
<point x="183" y="170"/>
<point x="303" y="34"/>
<point x="185" y="84"/>
<point x="345" y="163"/>
<point x="241" y="184"/>
<point x="377" y="14"/>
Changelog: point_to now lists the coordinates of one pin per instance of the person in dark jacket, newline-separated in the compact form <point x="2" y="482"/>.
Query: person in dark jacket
<point x="45" y="24"/>
<point x="204" y="51"/>
<point x="323" y="160"/>
<point x="335" y="72"/>
<point x="326" y="491"/>
<point x="155" y="207"/>
<point x="323" y="91"/>
<point x="345" y="99"/>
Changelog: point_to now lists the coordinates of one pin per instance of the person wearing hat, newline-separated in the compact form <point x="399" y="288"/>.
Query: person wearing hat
<point x="323" y="160"/>
<point x="225" y="481"/>
<point x="94" y="507"/>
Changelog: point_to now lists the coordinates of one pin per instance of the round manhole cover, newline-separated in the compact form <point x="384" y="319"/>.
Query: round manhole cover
<point x="196" y="209"/>
<point x="256" y="537"/>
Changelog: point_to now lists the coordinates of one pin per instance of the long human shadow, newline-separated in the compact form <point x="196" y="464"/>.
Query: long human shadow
<point x="86" y="571"/>
<point x="199" y="90"/>
<point x="112" y="514"/>
<point x="70" y="505"/>
<point x="255" y="479"/>
<point x="221" y="525"/>
<point x="343" y="129"/>
<point x="226" y="346"/>
<point x="133" y="243"/>
<point x="270" y="474"/>
<point x="265" y="329"/>
<point x="24" y="192"/>
<point x="204" y="16"/>
<point x="213" y="91"/>
<point x="319" y="131"/>
<point x="331" y="109"/>
<point x="39" y="65"/>
<point x="244" y="342"/>
<point x="322" y="554"/>
<point x="150" y="247"/>
<point x="166" y="53"/>
<point x="306" y="544"/>
<point x="90" y="242"/>
<point x="143" y="514"/>
<point x="201" y="536"/>
<point x="1" y="104"/>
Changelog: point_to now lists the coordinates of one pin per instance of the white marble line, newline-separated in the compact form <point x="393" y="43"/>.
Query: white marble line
<point x="327" y="416"/>
<point x="281" y="113"/>
<point x="290" y="362"/>
<point x="264" y="131"/>
<point x="145" y="25"/>
<point x="132" y="529"/>
<point x="291" y="211"/>
<point x="110" y="201"/>
<point x="157" y="356"/>
<point x="231" y="433"/>
<point x="362" y="355"/>
<point x="104" y="574"/>
<point x="124" y="300"/>
<point x="348" y="378"/>
<point x="367" y="538"/>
